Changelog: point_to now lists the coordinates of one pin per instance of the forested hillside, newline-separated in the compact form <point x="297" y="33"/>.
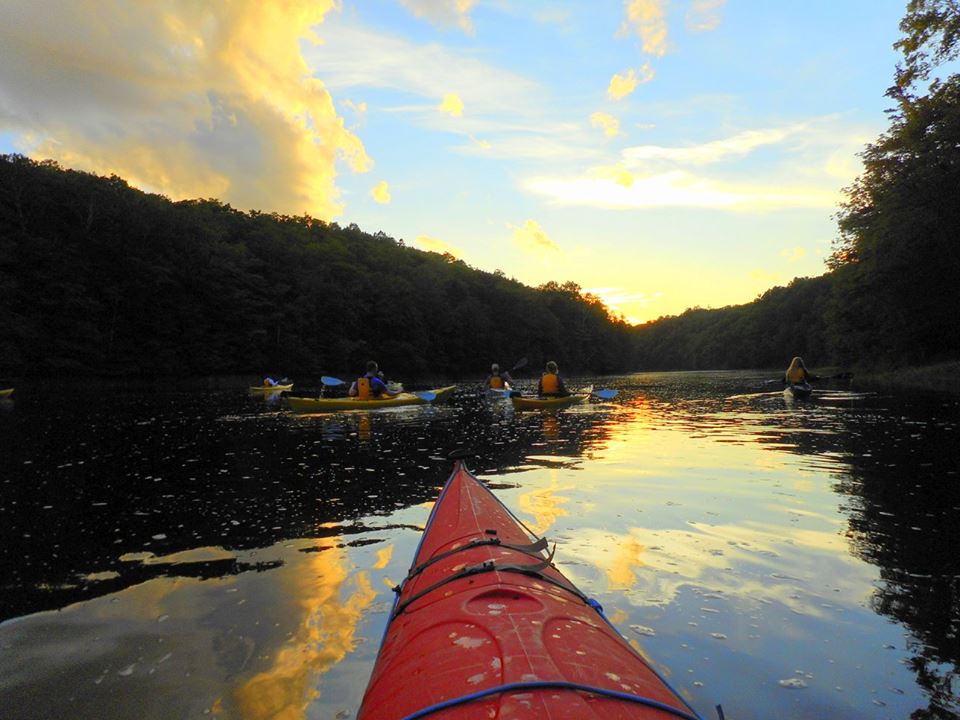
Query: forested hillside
<point x="892" y="297"/>
<point x="98" y="277"/>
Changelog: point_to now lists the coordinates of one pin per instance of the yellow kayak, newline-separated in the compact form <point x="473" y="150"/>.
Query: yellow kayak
<point x="6" y="392"/>
<point x="270" y="388"/>
<point x="320" y="405"/>
<point x="535" y="403"/>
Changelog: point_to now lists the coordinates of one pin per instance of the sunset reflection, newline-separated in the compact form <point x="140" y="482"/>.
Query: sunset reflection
<point x="545" y="505"/>
<point x="325" y="633"/>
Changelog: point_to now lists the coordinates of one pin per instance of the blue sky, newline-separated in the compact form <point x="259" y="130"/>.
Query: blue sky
<point x="663" y="154"/>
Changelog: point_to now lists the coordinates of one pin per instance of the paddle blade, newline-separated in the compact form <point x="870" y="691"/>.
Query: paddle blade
<point x="327" y="380"/>
<point x="521" y="363"/>
<point x="606" y="394"/>
<point x="428" y="396"/>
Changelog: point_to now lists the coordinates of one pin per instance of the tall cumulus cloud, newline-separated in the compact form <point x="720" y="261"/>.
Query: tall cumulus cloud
<point x="184" y="98"/>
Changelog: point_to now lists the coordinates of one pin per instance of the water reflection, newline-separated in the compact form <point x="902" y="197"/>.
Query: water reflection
<point x="232" y="558"/>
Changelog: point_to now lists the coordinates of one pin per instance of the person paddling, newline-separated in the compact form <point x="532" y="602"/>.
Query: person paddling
<point x="551" y="384"/>
<point x="370" y="385"/>
<point x="797" y="373"/>
<point x="497" y="380"/>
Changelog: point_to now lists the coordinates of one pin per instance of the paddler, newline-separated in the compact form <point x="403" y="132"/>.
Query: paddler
<point x="797" y="373"/>
<point x="497" y="380"/>
<point x="370" y="385"/>
<point x="551" y="384"/>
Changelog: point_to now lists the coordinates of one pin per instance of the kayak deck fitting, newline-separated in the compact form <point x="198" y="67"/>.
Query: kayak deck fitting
<point x="484" y="626"/>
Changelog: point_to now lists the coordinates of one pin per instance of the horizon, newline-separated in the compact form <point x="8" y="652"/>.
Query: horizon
<point x="662" y="155"/>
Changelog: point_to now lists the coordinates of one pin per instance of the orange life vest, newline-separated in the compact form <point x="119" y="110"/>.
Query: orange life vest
<point x="496" y="382"/>
<point x="550" y="384"/>
<point x="363" y="388"/>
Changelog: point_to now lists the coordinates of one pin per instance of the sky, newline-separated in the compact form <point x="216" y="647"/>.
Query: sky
<point x="662" y="154"/>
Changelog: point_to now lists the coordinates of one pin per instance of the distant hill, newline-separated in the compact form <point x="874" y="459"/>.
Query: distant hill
<point x="97" y="277"/>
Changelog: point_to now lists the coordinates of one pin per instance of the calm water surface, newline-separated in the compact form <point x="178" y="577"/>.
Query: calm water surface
<point x="203" y="553"/>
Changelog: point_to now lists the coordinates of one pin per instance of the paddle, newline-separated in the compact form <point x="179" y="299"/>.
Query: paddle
<point x="423" y="395"/>
<point x="521" y="363"/>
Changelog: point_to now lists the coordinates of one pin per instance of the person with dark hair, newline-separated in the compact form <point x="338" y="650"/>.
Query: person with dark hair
<point x="370" y="385"/>
<point x="551" y="384"/>
<point x="498" y="380"/>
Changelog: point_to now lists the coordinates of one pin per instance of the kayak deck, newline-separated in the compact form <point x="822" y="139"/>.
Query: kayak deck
<point x="6" y="392"/>
<point x="532" y="403"/>
<point x="486" y="627"/>
<point x="304" y="405"/>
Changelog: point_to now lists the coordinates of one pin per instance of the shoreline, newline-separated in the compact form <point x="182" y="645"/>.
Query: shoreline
<point x="944" y="376"/>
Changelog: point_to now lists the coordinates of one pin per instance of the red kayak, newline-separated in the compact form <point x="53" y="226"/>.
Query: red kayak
<point x="485" y="627"/>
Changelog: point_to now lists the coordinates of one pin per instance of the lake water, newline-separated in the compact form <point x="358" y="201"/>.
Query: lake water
<point x="200" y="552"/>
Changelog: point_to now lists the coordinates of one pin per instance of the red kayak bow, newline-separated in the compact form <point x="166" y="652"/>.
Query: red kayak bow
<point x="485" y="627"/>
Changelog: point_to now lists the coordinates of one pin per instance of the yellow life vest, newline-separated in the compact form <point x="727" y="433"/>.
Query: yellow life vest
<point x="363" y="388"/>
<point x="550" y="384"/>
<point x="496" y="382"/>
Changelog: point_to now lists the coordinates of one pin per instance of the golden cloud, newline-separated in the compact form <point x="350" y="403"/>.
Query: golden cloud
<point x="452" y="105"/>
<point x="444" y="12"/>
<point x="679" y="189"/>
<point x="532" y="238"/>
<point x="381" y="193"/>
<point x="431" y="244"/>
<point x="648" y="19"/>
<point x="187" y="99"/>
<point x="610" y="125"/>
<point x="623" y="85"/>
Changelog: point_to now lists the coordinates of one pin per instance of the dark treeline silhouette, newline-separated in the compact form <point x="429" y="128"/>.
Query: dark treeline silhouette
<point x="99" y="277"/>
<point x="893" y="294"/>
<point x="96" y="276"/>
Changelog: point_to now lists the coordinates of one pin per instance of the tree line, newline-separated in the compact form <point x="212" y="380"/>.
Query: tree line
<point x="99" y="277"/>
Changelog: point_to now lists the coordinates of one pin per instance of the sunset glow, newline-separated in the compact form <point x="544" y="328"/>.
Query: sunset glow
<point x="685" y="153"/>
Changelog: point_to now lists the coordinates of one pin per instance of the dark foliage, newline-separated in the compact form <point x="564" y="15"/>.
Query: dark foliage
<point x="98" y="277"/>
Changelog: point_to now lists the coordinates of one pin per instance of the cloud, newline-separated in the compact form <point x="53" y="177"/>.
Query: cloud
<point x="618" y="173"/>
<point x="623" y="85"/>
<point x="678" y="189"/>
<point x="704" y="15"/>
<point x="188" y="99"/>
<point x="351" y="56"/>
<point x="509" y="112"/>
<point x="793" y="254"/>
<point x="381" y="193"/>
<point x="430" y="244"/>
<point x="711" y="152"/>
<point x="444" y="13"/>
<point x="452" y="105"/>
<point x="532" y="238"/>
<point x="610" y="125"/>
<point x="358" y="108"/>
<point x="647" y="18"/>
